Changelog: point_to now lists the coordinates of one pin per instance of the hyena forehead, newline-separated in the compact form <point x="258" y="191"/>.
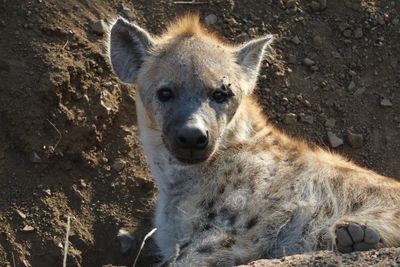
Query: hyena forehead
<point x="191" y="62"/>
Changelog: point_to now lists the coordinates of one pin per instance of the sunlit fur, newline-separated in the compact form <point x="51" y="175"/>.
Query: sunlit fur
<point x="261" y="194"/>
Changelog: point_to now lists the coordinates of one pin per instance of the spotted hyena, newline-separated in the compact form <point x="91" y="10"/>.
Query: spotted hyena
<point x="233" y="188"/>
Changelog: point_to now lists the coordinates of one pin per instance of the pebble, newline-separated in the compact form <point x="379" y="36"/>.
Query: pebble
<point x="317" y="40"/>
<point x="308" y="62"/>
<point x="126" y="240"/>
<point x="330" y="123"/>
<point x="211" y="19"/>
<point x="295" y="40"/>
<point x="359" y="91"/>
<point x="307" y="118"/>
<point x="242" y="37"/>
<point x="347" y="33"/>
<point x="27" y="229"/>
<point x="119" y="165"/>
<point x="290" y="118"/>
<point x="343" y="26"/>
<point x="351" y="86"/>
<point x="358" y="33"/>
<point x="386" y="102"/>
<point x="355" y="140"/>
<point x="98" y="27"/>
<point x="334" y="140"/>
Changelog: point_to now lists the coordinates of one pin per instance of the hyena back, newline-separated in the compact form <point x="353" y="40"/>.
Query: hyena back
<point x="232" y="188"/>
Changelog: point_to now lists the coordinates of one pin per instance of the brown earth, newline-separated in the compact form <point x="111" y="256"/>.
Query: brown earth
<point x="68" y="144"/>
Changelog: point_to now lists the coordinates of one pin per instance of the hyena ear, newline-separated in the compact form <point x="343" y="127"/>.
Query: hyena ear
<point x="128" y="46"/>
<point x="250" y="55"/>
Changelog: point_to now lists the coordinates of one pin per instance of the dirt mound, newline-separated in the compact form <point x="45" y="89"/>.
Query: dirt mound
<point x="68" y="144"/>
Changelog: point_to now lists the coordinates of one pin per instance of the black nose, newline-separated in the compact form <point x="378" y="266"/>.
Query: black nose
<point x="192" y="138"/>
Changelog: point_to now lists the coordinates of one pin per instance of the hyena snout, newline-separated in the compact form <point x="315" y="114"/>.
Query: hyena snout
<point x="192" y="138"/>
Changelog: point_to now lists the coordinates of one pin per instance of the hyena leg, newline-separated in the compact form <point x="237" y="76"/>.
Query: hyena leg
<point x="367" y="230"/>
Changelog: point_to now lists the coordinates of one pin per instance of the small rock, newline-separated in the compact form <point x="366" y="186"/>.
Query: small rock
<point x="352" y="73"/>
<point x="351" y="86"/>
<point x="355" y="140"/>
<point x="386" y="102"/>
<point x="211" y="19"/>
<point x="295" y="40"/>
<point x="317" y="40"/>
<point x="21" y="214"/>
<point x="119" y="165"/>
<point x="315" y="6"/>
<point x="27" y="229"/>
<point x="290" y="118"/>
<point x="334" y="140"/>
<point x="330" y="123"/>
<point x="343" y="26"/>
<point x="98" y="27"/>
<point x="314" y="68"/>
<point x="347" y="33"/>
<point x="126" y="240"/>
<point x="358" y="33"/>
<point x="253" y="31"/>
<point x="307" y="118"/>
<point x="308" y="62"/>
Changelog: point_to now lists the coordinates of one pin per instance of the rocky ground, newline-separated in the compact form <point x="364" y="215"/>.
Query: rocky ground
<point x="68" y="145"/>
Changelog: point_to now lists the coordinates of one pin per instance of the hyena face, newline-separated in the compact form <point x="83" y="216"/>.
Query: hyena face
<point x="190" y="84"/>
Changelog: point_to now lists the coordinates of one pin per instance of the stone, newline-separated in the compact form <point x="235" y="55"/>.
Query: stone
<point x="351" y="86"/>
<point x="291" y="3"/>
<point x="295" y="40"/>
<point x="358" y="33"/>
<point x="211" y="19"/>
<point x="347" y="33"/>
<point x="359" y="91"/>
<point x="27" y="229"/>
<point x="355" y="140"/>
<point x="343" y="26"/>
<point x="307" y="118"/>
<point x="334" y="140"/>
<point x="98" y="27"/>
<point x="242" y="37"/>
<point x="386" y="102"/>
<point x="317" y="40"/>
<point x="35" y="158"/>
<point x="119" y="165"/>
<point x="308" y="62"/>
<point x="330" y="123"/>
<point x="290" y="118"/>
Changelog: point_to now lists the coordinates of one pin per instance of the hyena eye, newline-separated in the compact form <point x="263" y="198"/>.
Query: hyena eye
<point x="164" y="94"/>
<point x="220" y="96"/>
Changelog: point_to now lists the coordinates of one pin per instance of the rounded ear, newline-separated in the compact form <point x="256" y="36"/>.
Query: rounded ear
<point x="128" y="45"/>
<point x="250" y="55"/>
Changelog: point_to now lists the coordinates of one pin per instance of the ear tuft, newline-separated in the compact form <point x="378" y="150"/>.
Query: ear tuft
<point x="250" y="55"/>
<point x="129" y="44"/>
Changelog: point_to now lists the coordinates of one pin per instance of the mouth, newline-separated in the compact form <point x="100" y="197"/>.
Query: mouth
<point x="191" y="160"/>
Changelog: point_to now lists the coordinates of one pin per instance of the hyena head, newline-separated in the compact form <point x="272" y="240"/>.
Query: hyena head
<point x="190" y="83"/>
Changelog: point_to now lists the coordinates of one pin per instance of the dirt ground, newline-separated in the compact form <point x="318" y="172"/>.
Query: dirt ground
<point x="68" y="144"/>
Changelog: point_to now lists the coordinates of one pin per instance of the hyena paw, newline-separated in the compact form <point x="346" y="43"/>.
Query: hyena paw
<point x="352" y="236"/>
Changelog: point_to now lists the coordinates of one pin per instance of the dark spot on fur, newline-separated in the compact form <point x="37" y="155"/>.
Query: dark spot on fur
<point x="208" y="204"/>
<point x="252" y="222"/>
<point x="221" y="189"/>
<point x="228" y="216"/>
<point x="205" y="249"/>
<point x="227" y="243"/>
<point x="211" y="215"/>
<point x="206" y="227"/>
<point x="239" y="169"/>
<point x="184" y="245"/>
